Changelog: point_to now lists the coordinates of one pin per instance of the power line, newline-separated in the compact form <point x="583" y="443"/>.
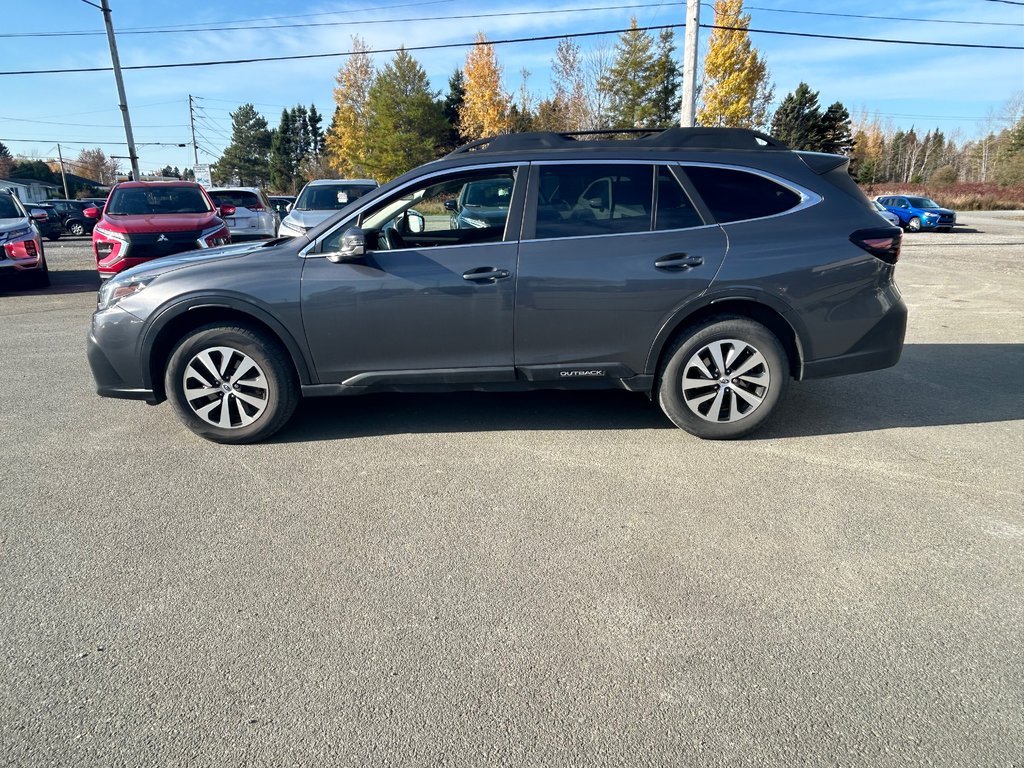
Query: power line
<point x="80" y="125"/>
<point x="507" y="41"/>
<point x="98" y="143"/>
<point x="243" y="27"/>
<point x="880" y="18"/>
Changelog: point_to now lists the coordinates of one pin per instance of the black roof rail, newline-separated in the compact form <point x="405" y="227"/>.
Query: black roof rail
<point x="667" y="138"/>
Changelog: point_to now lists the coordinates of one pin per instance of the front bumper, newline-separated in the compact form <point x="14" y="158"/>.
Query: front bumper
<point x="111" y="349"/>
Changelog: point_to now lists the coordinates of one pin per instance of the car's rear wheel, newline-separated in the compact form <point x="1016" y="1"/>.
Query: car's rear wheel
<point x="723" y="379"/>
<point x="53" y="236"/>
<point x="76" y="228"/>
<point x="231" y="384"/>
<point x="914" y="225"/>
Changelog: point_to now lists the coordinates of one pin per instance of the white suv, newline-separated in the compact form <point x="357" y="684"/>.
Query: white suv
<point x="320" y="199"/>
<point x="254" y="217"/>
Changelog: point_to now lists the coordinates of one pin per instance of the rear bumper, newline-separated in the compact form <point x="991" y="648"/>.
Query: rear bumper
<point x="879" y="348"/>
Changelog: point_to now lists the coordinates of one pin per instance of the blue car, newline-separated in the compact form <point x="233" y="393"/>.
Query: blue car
<point x="917" y="213"/>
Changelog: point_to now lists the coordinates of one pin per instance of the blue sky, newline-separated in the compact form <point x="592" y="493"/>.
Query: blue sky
<point x="955" y="89"/>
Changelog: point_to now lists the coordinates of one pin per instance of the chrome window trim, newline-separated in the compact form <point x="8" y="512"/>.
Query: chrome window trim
<point x="808" y="198"/>
<point x="515" y="165"/>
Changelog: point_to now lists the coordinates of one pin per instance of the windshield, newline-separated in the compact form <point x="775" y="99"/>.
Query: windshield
<point x="923" y="202"/>
<point x="488" y="194"/>
<point x="135" y="201"/>
<point x="9" y="208"/>
<point x="330" y="197"/>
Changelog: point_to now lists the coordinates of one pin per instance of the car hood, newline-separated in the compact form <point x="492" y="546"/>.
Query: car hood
<point x="308" y="219"/>
<point x="180" y="260"/>
<point x="485" y="213"/>
<point x="7" y="225"/>
<point x="160" y="222"/>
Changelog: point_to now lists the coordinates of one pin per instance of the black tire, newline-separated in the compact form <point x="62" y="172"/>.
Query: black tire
<point x="53" y="236"/>
<point x="714" y="411"/>
<point x="245" y="382"/>
<point x="41" y="276"/>
<point x="914" y="225"/>
<point x="76" y="228"/>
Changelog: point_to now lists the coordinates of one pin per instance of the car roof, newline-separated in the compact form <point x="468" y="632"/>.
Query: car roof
<point x="321" y="182"/>
<point x="144" y="184"/>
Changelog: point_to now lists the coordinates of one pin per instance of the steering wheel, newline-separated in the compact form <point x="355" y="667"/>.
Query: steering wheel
<point x="389" y="240"/>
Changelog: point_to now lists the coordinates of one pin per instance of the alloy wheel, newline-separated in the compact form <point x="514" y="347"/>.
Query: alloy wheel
<point x="725" y="380"/>
<point x="225" y="387"/>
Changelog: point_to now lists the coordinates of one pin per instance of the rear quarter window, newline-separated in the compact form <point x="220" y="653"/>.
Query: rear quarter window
<point x="734" y="195"/>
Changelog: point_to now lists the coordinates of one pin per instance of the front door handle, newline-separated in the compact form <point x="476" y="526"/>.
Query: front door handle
<point x="485" y="275"/>
<point x="679" y="261"/>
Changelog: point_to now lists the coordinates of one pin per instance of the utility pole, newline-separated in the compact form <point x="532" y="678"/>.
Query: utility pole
<point x="120" y="89"/>
<point x="63" y="176"/>
<point x="687" y="117"/>
<point x="192" y="121"/>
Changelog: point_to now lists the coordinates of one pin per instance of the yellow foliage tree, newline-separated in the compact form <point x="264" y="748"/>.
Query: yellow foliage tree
<point x="345" y="141"/>
<point x="484" y="110"/>
<point x="736" y="92"/>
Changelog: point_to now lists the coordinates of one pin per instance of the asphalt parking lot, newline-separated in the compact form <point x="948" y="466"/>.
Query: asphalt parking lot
<point x="554" y="579"/>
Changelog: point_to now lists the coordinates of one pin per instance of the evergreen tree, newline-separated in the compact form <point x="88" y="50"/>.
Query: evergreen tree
<point x="836" y="130"/>
<point x="282" y="155"/>
<point x="629" y="82"/>
<point x="6" y="161"/>
<point x="406" y="126"/>
<point x="667" y="80"/>
<point x="316" y="133"/>
<point x="485" y="105"/>
<point x="33" y="169"/>
<point x="452" y="105"/>
<point x="736" y="91"/>
<point x="798" y="120"/>
<point x="246" y="160"/>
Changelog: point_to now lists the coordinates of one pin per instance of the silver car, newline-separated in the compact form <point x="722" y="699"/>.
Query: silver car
<point x="254" y="217"/>
<point x="885" y="213"/>
<point x="321" y="198"/>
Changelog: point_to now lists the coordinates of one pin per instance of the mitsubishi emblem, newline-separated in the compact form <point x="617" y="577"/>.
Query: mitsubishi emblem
<point x="162" y="239"/>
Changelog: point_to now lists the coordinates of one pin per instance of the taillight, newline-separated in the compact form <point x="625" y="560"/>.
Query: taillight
<point x="881" y="242"/>
<point x="21" y="249"/>
<point x="256" y="207"/>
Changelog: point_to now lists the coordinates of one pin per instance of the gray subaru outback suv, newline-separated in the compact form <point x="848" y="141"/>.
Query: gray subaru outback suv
<point x="704" y="268"/>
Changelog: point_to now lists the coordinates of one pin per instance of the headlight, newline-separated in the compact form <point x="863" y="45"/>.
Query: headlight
<point x="110" y="234"/>
<point x="116" y="289"/>
<point x="15" y="234"/>
<point x="291" y="229"/>
<point x="931" y="215"/>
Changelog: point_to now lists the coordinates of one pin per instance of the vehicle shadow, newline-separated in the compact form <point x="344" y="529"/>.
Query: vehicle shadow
<point x="933" y="385"/>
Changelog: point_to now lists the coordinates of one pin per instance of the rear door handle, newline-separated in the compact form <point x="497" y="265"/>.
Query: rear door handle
<point x="679" y="261"/>
<point x="485" y="275"/>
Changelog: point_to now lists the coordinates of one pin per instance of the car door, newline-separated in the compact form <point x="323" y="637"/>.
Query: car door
<point x="609" y="253"/>
<point x="427" y="304"/>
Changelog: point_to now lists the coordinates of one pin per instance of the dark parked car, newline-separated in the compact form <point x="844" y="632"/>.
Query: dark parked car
<point x="704" y="268"/>
<point x="480" y="204"/>
<point x="282" y="204"/>
<point x="918" y="213"/>
<point x="145" y="220"/>
<point x="46" y="220"/>
<point x="21" y="248"/>
<point x="72" y="215"/>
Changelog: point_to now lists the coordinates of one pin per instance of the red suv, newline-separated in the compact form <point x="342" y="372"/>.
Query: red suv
<point x="144" y="220"/>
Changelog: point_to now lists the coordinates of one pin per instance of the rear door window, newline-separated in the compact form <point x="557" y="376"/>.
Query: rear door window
<point x="734" y="195"/>
<point x="579" y="200"/>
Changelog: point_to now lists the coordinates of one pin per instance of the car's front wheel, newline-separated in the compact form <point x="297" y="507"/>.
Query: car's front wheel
<point x="231" y="384"/>
<point x="723" y="379"/>
<point x="914" y="225"/>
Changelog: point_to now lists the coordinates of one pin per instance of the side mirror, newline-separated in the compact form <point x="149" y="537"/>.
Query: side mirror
<point x="91" y="213"/>
<point x="415" y="222"/>
<point x="288" y="208"/>
<point x="226" y="210"/>
<point x="353" y="247"/>
<point x="451" y="205"/>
